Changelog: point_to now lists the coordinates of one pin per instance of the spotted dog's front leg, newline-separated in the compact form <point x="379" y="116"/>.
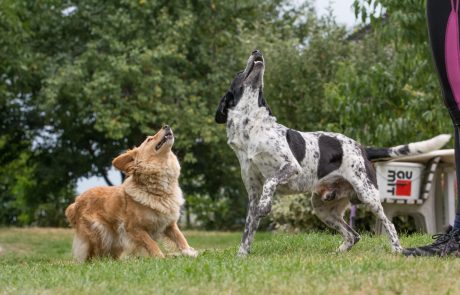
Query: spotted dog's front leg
<point x="252" y="182"/>
<point x="252" y="222"/>
<point x="281" y="177"/>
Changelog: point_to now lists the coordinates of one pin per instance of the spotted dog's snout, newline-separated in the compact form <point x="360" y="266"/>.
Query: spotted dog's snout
<point x="257" y="54"/>
<point x="253" y="74"/>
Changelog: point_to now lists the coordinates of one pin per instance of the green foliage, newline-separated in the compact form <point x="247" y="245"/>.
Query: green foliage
<point x="210" y="214"/>
<point x="294" y="213"/>
<point x="101" y="76"/>
<point x="28" y="180"/>
<point x="390" y="80"/>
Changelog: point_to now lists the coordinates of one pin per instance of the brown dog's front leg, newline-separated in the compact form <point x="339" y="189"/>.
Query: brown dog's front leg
<point x="174" y="234"/>
<point x="142" y="238"/>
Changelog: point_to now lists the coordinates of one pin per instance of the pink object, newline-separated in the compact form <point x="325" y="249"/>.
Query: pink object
<point x="452" y="52"/>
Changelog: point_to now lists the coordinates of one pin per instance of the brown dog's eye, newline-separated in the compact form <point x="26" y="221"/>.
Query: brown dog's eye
<point x="149" y="139"/>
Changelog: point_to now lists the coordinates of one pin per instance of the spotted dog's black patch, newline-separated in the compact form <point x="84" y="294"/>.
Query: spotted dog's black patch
<point x="263" y="103"/>
<point x="377" y="153"/>
<point x="330" y="155"/>
<point x="383" y="153"/>
<point x="296" y="143"/>
<point x="404" y="150"/>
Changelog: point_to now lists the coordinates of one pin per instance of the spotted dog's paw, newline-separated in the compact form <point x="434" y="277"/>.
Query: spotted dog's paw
<point x="242" y="252"/>
<point x="398" y="250"/>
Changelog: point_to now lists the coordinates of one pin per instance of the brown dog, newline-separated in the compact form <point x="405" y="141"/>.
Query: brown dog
<point x="128" y="219"/>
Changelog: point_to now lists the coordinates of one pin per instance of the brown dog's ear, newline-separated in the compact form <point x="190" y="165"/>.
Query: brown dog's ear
<point x="125" y="161"/>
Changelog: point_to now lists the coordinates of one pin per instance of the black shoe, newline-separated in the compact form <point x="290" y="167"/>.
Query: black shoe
<point x="447" y="243"/>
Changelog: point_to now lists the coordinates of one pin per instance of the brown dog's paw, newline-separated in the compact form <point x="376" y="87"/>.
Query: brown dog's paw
<point x="190" y="252"/>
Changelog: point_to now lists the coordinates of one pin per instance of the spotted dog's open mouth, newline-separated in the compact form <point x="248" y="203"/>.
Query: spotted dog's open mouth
<point x="258" y="60"/>
<point x="166" y="137"/>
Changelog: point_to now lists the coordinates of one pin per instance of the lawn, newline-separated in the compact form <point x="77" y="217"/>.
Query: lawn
<point x="38" y="261"/>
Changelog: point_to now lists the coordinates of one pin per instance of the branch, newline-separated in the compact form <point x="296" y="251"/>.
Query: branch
<point x="106" y="178"/>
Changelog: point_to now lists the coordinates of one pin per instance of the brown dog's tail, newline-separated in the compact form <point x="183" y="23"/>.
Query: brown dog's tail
<point x="71" y="214"/>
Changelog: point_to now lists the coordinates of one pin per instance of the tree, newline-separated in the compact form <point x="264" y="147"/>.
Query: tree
<point x="99" y="76"/>
<point x="390" y="79"/>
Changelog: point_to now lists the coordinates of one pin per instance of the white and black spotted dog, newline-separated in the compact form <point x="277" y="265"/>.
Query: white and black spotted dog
<point x="275" y="158"/>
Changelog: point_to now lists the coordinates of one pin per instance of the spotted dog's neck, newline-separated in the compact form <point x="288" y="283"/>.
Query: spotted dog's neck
<point x="245" y="117"/>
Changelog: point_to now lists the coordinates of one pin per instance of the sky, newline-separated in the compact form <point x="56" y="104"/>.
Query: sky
<point x="343" y="11"/>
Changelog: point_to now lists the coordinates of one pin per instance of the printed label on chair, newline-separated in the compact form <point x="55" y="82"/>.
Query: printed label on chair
<point x="403" y="188"/>
<point x="399" y="180"/>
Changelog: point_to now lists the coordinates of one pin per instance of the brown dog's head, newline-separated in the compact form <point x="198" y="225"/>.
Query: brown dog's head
<point x="154" y="149"/>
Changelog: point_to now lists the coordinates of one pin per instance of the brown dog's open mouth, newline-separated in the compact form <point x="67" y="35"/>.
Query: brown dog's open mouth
<point x="168" y="136"/>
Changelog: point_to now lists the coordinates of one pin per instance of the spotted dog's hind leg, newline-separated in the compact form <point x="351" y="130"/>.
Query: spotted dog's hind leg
<point x="367" y="192"/>
<point x="376" y="207"/>
<point x="331" y="213"/>
<point x="265" y="203"/>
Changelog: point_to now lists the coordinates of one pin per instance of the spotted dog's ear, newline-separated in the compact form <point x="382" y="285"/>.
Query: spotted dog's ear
<point x="226" y="102"/>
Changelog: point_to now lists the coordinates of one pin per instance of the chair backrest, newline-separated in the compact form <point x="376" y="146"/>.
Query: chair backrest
<point x="430" y="173"/>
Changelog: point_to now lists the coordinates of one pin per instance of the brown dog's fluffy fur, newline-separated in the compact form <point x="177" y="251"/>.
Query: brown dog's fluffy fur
<point x="128" y="219"/>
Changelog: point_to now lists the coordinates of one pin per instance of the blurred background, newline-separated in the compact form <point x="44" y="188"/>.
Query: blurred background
<point x="82" y="81"/>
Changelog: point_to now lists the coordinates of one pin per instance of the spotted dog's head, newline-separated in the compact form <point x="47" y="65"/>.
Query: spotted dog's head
<point x="250" y="79"/>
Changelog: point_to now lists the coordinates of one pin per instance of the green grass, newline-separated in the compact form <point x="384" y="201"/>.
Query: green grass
<point x="38" y="261"/>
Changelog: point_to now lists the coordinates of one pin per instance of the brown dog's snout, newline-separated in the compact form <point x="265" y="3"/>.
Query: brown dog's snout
<point x="167" y="130"/>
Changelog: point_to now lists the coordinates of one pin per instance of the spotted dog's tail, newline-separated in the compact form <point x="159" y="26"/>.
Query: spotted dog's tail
<point x="411" y="149"/>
